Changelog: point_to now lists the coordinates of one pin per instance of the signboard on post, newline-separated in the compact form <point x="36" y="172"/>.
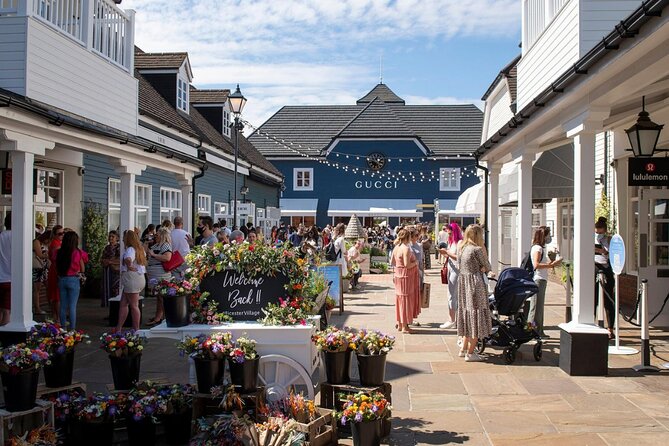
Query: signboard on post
<point x="244" y="297"/>
<point x="332" y="274"/>
<point x="648" y="172"/>
<point x="617" y="254"/>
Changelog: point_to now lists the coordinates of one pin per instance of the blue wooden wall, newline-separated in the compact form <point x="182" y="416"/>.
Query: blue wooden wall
<point x="330" y="182"/>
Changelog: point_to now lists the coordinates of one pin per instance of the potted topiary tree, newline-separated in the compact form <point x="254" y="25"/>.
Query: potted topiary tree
<point x="95" y="234"/>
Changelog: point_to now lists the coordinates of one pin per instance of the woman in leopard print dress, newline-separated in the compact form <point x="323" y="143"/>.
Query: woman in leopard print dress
<point x="473" y="317"/>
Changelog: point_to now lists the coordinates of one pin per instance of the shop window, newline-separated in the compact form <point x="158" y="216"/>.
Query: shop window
<point x="221" y="211"/>
<point x="203" y="205"/>
<point x="48" y="197"/>
<point x="142" y="205"/>
<point x="170" y="203"/>
<point x="303" y="179"/>
<point x="449" y="179"/>
<point x="182" y="94"/>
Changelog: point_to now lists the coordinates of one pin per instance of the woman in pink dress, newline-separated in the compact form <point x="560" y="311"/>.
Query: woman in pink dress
<point x="405" y="280"/>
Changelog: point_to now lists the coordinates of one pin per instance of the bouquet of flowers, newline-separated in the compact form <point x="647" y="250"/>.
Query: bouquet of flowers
<point x="44" y="435"/>
<point x="173" y="287"/>
<point x="145" y="402"/>
<point x="333" y="339"/>
<point x="122" y="344"/>
<point x="372" y="342"/>
<point x="279" y="430"/>
<point x="243" y="349"/>
<point x="223" y="430"/>
<point x="300" y="408"/>
<point x="362" y="407"/>
<point x="20" y="358"/>
<point x="204" y="310"/>
<point x="329" y="303"/>
<point x="179" y="397"/>
<point x="66" y="402"/>
<point x="289" y="311"/>
<point x="55" y="340"/>
<point x="215" y="346"/>
<point x="101" y="408"/>
<point x="354" y="268"/>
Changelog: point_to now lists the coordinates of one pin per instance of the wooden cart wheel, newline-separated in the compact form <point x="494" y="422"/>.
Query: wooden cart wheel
<point x="281" y="374"/>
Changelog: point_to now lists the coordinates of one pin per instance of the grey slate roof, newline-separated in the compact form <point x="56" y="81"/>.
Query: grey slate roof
<point x="382" y="92"/>
<point x="443" y="129"/>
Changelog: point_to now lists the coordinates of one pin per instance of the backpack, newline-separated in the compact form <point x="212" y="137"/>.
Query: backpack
<point x="331" y="252"/>
<point x="527" y="264"/>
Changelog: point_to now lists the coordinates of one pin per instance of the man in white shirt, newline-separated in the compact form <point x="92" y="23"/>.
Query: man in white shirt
<point x="224" y="227"/>
<point x="181" y="240"/>
<point x="354" y="256"/>
<point x="6" y="270"/>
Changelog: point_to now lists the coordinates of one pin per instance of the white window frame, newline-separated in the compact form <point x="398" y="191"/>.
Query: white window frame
<point x="227" y="122"/>
<point x="221" y="211"/>
<point x="183" y="94"/>
<point x="310" y="180"/>
<point x="114" y="206"/>
<point x="452" y="174"/>
<point x="170" y="202"/>
<point x="203" y="205"/>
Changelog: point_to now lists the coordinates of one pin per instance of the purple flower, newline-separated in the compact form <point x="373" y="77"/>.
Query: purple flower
<point x="343" y="421"/>
<point x="375" y="408"/>
<point x="358" y="417"/>
<point x="171" y="292"/>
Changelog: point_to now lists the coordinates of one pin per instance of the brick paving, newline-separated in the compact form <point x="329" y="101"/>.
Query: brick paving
<point x="439" y="399"/>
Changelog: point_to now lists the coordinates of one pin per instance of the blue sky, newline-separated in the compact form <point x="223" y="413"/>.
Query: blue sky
<point x="305" y="52"/>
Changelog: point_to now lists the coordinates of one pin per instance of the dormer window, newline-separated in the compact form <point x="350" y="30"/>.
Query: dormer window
<point x="226" y="121"/>
<point x="182" y="94"/>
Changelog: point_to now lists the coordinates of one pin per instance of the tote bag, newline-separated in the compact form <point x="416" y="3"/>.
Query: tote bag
<point x="174" y="262"/>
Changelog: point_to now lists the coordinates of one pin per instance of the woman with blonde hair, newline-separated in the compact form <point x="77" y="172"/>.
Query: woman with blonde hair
<point x="405" y="279"/>
<point x="340" y="247"/>
<point x="473" y="314"/>
<point x="159" y="252"/>
<point x="133" y="269"/>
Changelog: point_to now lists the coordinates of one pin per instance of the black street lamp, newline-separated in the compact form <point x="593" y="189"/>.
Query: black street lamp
<point x="644" y="134"/>
<point x="237" y="103"/>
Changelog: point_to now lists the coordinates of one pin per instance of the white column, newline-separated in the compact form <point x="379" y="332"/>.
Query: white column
<point x="23" y="150"/>
<point x="187" y="202"/>
<point x="493" y="215"/>
<point x="583" y="311"/>
<point x="524" y="204"/>
<point x="128" y="171"/>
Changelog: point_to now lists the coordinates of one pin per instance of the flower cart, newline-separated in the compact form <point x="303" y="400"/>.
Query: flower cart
<point x="263" y="293"/>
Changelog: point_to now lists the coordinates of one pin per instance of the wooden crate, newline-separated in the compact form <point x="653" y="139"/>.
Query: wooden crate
<point x="18" y="423"/>
<point x="331" y="398"/>
<point x="205" y="404"/>
<point x="43" y="392"/>
<point x="322" y="431"/>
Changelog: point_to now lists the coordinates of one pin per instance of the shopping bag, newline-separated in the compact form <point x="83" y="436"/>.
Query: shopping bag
<point x="425" y="296"/>
<point x="444" y="273"/>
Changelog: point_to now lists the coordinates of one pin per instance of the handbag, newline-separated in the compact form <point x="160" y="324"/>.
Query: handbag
<point x="174" y="262"/>
<point x="444" y="273"/>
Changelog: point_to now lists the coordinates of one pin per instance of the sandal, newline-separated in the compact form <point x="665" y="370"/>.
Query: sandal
<point x="153" y="322"/>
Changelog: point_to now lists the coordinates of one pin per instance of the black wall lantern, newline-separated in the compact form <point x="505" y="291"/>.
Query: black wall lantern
<point x="645" y="134"/>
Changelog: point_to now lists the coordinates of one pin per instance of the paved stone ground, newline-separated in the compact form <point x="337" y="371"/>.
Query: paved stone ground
<point x="439" y="399"/>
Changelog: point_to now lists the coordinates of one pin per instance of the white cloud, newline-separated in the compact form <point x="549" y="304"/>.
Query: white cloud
<point x="307" y="51"/>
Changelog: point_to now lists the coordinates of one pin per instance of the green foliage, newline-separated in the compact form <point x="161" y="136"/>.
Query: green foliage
<point x="603" y="209"/>
<point x="382" y="266"/>
<point x="94" y="237"/>
<point x="378" y="252"/>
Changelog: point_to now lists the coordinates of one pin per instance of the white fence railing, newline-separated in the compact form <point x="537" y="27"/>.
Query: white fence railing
<point x="65" y="15"/>
<point x="99" y="25"/>
<point x="538" y="14"/>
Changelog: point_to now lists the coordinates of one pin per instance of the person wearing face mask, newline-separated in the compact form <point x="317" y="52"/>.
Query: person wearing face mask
<point x="602" y="265"/>
<point x="541" y="264"/>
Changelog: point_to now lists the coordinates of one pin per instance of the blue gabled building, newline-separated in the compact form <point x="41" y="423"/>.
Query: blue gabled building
<point x="380" y="159"/>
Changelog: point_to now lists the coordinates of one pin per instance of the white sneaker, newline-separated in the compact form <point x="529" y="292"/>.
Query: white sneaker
<point x="474" y="357"/>
<point x="449" y="324"/>
<point x="461" y="353"/>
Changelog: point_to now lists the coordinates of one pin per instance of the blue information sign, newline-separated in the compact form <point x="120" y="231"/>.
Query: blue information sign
<point x="332" y="274"/>
<point x="617" y="254"/>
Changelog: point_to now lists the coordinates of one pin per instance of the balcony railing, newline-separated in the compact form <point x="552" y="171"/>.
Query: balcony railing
<point x="99" y="25"/>
<point x="538" y="14"/>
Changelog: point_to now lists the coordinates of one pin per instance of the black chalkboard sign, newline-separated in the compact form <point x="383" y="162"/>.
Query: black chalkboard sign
<point x="241" y="296"/>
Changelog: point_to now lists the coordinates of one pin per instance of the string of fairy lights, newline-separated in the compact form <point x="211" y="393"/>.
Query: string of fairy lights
<point x="341" y="162"/>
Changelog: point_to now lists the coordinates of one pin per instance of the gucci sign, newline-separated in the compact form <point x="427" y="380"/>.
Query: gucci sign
<point x="378" y="184"/>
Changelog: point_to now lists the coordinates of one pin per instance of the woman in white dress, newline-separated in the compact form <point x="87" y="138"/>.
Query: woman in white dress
<point x="340" y="248"/>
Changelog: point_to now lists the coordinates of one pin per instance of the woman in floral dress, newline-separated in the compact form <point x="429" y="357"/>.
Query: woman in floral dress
<point x="405" y="279"/>
<point x="473" y="317"/>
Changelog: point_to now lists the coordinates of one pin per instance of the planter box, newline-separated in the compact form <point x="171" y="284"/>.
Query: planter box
<point x="16" y="424"/>
<point x="334" y="395"/>
<point x="379" y="259"/>
<point x="205" y="404"/>
<point x="322" y="431"/>
<point x="44" y="392"/>
<point x="345" y="285"/>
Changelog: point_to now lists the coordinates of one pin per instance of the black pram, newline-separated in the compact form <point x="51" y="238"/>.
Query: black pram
<point x="513" y="287"/>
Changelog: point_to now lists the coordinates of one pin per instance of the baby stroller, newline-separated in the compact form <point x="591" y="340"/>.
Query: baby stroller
<point x="513" y="287"/>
